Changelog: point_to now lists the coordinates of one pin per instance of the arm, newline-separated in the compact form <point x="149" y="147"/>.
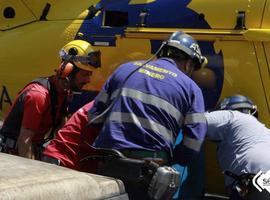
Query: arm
<point x="68" y="145"/>
<point x="194" y="130"/>
<point x="65" y="146"/>
<point x="36" y="103"/>
<point x="25" y="143"/>
<point x="216" y="124"/>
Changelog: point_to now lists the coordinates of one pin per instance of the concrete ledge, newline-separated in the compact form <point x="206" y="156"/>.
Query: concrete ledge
<point x="22" y="178"/>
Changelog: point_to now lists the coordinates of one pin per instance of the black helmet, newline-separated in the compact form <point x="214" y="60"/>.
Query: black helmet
<point x="185" y="43"/>
<point x="240" y="103"/>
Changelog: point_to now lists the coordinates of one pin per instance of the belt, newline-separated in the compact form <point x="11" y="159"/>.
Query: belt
<point x="8" y="145"/>
<point x="8" y="142"/>
<point x="51" y="160"/>
<point x="156" y="156"/>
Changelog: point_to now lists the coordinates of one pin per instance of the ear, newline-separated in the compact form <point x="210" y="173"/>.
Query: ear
<point x="189" y="67"/>
<point x="64" y="69"/>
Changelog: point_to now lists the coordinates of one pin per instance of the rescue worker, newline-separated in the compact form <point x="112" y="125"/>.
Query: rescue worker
<point x="243" y="143"/>
<point x="41" y="105"/>
<point x="70" y="145"/>
<point x="144" y="104"/>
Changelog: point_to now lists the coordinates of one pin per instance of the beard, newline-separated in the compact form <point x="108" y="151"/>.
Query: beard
<point x="76" y="87"/>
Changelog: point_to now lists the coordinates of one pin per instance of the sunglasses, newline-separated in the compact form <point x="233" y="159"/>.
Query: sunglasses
<point x="92" y="59"/>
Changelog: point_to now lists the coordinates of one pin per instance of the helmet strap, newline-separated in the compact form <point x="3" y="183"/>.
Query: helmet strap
<point x="251" y="111"/>
<point x="72" y="77"/>
<point x="254" y="111"/>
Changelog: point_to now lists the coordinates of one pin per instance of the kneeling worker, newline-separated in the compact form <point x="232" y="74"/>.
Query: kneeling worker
<point x="41" y="105"/>
<point x="243" y="142"/>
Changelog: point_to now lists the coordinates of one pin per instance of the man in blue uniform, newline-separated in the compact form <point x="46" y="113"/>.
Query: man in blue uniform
<point x="144" y="105"/>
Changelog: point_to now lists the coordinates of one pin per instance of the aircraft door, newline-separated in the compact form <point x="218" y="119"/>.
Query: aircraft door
<point x="266" y="75"/>
<point x="246" y="72"/>
<point x="266" y="16"/>
<point x="266" y="53"/>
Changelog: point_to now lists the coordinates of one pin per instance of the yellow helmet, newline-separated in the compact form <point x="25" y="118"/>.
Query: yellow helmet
<point x="81" y="53"/>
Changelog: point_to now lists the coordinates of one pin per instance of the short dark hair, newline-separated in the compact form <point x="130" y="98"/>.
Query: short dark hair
<point x="174" y="53"/>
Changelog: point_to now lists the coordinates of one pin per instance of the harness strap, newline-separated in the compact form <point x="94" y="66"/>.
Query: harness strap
<point x="47" y="83"/>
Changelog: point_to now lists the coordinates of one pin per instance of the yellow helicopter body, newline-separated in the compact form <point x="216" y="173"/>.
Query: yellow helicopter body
<point x="233" y="35"/>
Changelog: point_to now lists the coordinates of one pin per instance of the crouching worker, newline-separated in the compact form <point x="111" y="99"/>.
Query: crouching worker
<point x="70" y="145"/>
<point x="243" y="145"/>
<point x="42" y="104"/>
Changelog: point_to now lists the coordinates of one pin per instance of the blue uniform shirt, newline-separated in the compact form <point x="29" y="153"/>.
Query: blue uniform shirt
<point x="150" y="108"/>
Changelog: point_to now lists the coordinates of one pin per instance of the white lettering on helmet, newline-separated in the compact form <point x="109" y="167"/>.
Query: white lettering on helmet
<point x="196" y="49"/>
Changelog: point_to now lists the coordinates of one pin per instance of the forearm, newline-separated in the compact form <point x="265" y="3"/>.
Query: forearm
<point x="25" y="149"/>
<point x="24" y="142"/>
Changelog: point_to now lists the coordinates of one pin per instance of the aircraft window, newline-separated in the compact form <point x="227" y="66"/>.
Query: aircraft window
<point x="116" y="18"/>
<point x="9" y="12"/>
<point x="240" y="21"/>
<point x="201" y="17"/>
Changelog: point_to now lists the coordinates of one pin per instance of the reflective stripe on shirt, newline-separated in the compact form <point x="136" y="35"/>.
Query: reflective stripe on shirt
<point x="192" y="143"/>
<point x="103" y="97"/>
<point x="154" y="101"/>
<point x="144" y="98"/>
<point x="142" y="122"/>
<point x="194" y="118"/>
<point x="94" y="119"/>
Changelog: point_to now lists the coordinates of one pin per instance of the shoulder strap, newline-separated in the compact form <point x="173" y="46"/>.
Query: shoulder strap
<point x="46" y="83"/>
<point x="42" y="81"/>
